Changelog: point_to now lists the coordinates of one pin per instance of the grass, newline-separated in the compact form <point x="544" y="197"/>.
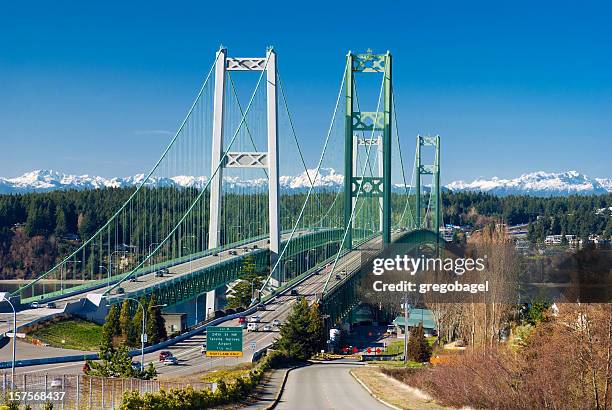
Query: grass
<point x="74" y="334"/>
<point x="397" y="363"/>
<point x="228" y="373"/>
<point x="397" y="346"/>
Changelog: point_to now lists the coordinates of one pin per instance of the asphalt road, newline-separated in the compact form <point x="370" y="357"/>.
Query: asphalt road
<point x="188" y="352"/>
<point x="326" y="386"/>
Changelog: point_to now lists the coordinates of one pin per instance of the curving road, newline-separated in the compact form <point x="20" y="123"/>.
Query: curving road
<point x="326" y="386"/>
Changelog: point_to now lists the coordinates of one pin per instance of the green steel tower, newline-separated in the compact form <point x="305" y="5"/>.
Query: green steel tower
<point x="373" y="122"/>
<point x="433" y="217"/>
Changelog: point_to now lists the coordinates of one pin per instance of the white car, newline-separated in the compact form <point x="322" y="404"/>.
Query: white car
<point x="252" y="327"/>
<point x="276" y="322"/>
<point x="170" y="361"/>
<point x="254" y="319"/>
<point x="267" y="328"/>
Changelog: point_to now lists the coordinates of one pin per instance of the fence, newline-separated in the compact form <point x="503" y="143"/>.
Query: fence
<point x="80" y="391"/>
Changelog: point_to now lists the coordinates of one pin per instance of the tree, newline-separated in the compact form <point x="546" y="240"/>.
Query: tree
<point x="295" y="337"/>
<point x="126" y="324"/>
<point x="316" y="329"/>
<point x="156" y="325"/>
<point x="110" y="330"/>
<point x="418" y="348"/>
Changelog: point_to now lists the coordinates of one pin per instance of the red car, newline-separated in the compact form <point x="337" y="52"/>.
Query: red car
<point x="164" y="354"/>
<point x="241" y="320"/>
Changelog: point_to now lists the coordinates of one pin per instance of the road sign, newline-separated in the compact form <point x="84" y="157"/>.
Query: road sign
<point x="253" y="345"/>
<point x="224" y="341"/>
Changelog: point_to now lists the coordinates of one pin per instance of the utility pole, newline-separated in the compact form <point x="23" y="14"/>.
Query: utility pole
<point x="406" y="337"/>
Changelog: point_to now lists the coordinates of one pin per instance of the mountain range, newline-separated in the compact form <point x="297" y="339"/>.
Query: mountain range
<point x="536" y="183"/>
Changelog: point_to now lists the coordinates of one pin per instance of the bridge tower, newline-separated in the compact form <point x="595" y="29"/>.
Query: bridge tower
<point x="379" y="125"/>
<point x="264" y="159"/>
<point x="433" y="215"/>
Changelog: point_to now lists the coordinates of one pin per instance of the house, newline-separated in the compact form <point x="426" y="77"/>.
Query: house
<point x="416" y="316"/>
<point x="175" y="322"/>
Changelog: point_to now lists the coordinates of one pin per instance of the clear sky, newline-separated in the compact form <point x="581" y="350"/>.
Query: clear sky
<point x="510" y="86"/>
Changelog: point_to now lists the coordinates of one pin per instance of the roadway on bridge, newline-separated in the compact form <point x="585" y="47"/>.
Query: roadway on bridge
<point x="326" y="386"/>
<point x="188" y="351"/>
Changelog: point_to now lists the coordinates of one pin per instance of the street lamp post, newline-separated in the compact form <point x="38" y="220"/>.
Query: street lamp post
<point x="285" y="270"/>
<point x="406" y="315"/>
<point x="143" y="331"/>
<point x="4" y="297"/>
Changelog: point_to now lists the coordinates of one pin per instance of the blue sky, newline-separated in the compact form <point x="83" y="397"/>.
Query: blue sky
<point x="511" y="88"/>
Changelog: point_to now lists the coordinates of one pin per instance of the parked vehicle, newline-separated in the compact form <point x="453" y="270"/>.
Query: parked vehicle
<point x="267" y="328"/>
<point x="252" y="327"/>
<point x="170" y="361"/>
<point x="164" y="354"/>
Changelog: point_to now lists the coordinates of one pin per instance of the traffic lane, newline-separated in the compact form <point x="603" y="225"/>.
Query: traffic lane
<point x="188" y="351"/>
<point x="326" y="386"/>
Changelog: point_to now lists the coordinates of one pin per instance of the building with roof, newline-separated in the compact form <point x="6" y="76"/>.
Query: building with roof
<point x="415" y="317"/>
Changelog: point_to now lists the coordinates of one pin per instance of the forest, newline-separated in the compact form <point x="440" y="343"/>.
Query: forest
<point x="38" y="229"/>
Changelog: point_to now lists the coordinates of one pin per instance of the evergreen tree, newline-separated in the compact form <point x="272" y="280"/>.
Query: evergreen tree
<point x="418" y="348"/>
<point x="316" y="328"/>
<point x="126" y="324"/>
<point x="295" y="337"/>
<point x="156" y="325"/>
<point x="110" y="330"/>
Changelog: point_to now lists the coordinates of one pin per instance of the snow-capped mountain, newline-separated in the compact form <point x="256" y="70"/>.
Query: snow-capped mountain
<point x="47" y="180"/>
<point x="535" y="183"/>
<point x="538" y="184"/>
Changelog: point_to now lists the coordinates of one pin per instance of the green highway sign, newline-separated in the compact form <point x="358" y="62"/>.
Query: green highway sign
<point x="224" y="341"/>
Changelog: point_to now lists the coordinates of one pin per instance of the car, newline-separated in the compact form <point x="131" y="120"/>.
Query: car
<point x="267" y="328"/>
<point x="294" y="292"/>
<point x="254" y="319"/>
<point x="170" y="361"/>
<point x="120" y="291"/>
<point x="35" y="305"/>
<point x="133" y="279"/>
<point x="51" y="305"/>
<point x="276" y="322"/>
<point x="57" y="383"/>
<point x="233" y="252"/>
<point x="164" y="354"/>
<point x="159" y="274"/>
<point x="252" y="327"/>
<point x="261" y="306"/>
<point x="338" y="277"/>
<point x="203" y="348"/>
<point x="255" y="247"/>
<point x="241" y="319"/>
<point x="136" y="365"/>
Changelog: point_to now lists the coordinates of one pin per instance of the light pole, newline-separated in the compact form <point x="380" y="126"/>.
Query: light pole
<point x="307" y="258"/>
<point x="150" y="246"/>
<point x="143" y="331"/>
<point x="180" y="240"/>
<point x="4" y="297"/>
<point x="406" y="315"/>
<point x="285" y="269"/>
<point x="110" y="271"/>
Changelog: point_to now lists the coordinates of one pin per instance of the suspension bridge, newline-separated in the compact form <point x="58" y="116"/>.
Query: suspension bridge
<point x="215" y="199"/>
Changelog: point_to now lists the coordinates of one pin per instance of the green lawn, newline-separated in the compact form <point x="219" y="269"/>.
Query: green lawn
<point x="70" y="334"/>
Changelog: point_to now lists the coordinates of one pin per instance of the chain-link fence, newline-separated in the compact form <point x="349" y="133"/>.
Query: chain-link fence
<point x="69" y="391"/>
